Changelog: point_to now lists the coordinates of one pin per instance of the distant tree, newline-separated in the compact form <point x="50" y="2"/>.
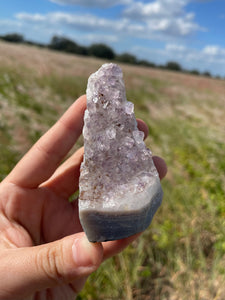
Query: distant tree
<point x="13" y="37"/>
<point x="195" y="72"/>
<point x="64" y="44"/>
<point x="101" y="50"/>
<point x="32" y="43"/>
<point x="127" y="58"/>
<point x="146" y="63"/>
<point x="207" y="74"/>
<point x="172" y="65"/>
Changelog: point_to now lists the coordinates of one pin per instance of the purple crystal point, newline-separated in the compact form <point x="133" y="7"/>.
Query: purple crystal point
<point x="120" y="189"/>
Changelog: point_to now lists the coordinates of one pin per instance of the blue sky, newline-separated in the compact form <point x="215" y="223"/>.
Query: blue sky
<point x="190" y="32"/>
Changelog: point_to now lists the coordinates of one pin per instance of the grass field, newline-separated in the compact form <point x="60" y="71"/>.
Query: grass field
<point x="182" y="254"/>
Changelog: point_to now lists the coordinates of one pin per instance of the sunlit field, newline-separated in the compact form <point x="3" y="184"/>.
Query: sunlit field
<point x="182" y="254"/>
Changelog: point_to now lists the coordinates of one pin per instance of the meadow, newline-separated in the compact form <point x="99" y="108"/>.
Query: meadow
<point x="182" y="254"/>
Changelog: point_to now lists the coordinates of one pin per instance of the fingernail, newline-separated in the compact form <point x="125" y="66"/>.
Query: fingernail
<point x="82" y="252"/>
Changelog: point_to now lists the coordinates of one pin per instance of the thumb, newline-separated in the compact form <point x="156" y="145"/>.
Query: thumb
<point x="27" y="270"/>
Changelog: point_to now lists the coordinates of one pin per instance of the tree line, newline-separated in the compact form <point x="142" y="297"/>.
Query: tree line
<point x="100" y="50"/>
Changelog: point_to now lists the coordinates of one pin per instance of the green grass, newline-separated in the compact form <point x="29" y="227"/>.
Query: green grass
<point x="182" y="254"/>
<point x="64" y="86"/>
<point x="8" y="156"/>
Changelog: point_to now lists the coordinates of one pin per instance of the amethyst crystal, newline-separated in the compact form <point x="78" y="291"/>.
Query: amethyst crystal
<point x="120" y="189"/>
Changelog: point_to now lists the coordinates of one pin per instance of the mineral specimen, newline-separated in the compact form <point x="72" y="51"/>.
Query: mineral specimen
<point x="119" y="186"/>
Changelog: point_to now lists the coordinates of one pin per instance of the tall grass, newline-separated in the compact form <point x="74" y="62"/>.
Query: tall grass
<point x="182" y="254"/>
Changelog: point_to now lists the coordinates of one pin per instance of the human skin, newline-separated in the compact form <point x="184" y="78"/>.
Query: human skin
<point x="44" y="253"/>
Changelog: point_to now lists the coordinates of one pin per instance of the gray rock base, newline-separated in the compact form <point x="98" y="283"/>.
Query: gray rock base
<point x="109" y="226"/>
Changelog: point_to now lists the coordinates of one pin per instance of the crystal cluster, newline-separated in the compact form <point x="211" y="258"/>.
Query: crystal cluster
<point x="119" y="185"/>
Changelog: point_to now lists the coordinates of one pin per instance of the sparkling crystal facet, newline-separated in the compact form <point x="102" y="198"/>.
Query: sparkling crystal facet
<point x="119" y="185"/>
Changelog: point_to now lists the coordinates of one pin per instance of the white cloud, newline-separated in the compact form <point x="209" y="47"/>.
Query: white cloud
<point x="156" y="9"/>
<point x="176" y="27"/>
<point x="83" y="22"/>
<point x="165" y="16"/>
<point x="156" y="28"/>
<point x="182" y="54"/>
<point x="30" y="17"/>
<point x="88" y="23"/>
<point x="157" y="19"/>
<point x="214" y="51"/>
<point x="176" y="48"/>
<point x="7" y="25"/>
<point x="98" y="38"/>
<point x="93" y="3"/>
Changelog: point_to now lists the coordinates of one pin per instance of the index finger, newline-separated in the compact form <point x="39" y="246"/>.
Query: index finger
<point x="45" y="156"/>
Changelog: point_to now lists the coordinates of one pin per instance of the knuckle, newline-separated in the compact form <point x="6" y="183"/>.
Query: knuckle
<point x="49" y="262"/>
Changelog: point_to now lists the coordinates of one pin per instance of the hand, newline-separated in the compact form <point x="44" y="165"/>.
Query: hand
<point x="44" y="253"/>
